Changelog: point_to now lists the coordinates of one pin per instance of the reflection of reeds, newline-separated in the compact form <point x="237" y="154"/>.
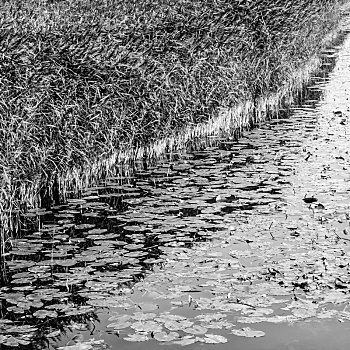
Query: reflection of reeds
<point x="84" y="81"/>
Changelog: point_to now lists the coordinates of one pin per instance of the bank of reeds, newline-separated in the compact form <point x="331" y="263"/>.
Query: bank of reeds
<point x="88" y="80"/>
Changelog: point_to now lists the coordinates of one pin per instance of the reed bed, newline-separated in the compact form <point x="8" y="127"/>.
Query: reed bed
<point x="86" y="83"/>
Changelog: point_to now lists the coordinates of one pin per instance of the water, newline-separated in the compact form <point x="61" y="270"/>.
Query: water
<point x="234" y="244"/>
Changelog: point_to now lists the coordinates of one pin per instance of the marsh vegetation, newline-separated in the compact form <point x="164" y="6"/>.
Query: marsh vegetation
<point x="84" y="82"/>
<point x="232" y="242"/>
<point x="220" y="238"/>
<point x="234" y="239"/>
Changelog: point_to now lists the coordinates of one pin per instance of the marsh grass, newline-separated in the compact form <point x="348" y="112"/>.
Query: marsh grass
<point x="86" y="84"/>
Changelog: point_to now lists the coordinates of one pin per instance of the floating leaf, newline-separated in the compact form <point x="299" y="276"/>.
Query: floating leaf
<point x="302" y="313"/>
<point x="147" y="306"/>
<point x="147" y="326"/>
<point x="196" y="329"/>
<point x="247" y="332"/>
<point x="120" y="325"/>
<point x="91" y="344"/>
<point x="185" y="341"/>
<point x="45" y="313"/>
<point x="178" y="325"/>
<point x="53" y="334"/>
<point x="214" y="339"/>
<point x="136" y="337"/>
<point x="217" y="325"/>
<point x="22" y="329"/>
<point x="211" y="317"/>
<point x="142" y="316"/>
<point x="257" y="312"/>
<point x="164" y="336"/>
<point x="9" y="340"/>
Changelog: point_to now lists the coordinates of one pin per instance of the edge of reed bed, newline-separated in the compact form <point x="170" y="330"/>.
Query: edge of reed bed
<point x="238" y="117"/>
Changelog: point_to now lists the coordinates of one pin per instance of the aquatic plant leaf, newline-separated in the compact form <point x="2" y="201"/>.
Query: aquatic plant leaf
<point x="91" y="344"/>
<point x="22" y="329"/>
<point x="217" y="325"/>
<point x="81" y="310"/>
<point x="185" y="341"/>
<point x="247" y="332"/>
<point x="84" y="226"/>
<point x="146" y="326"/>
<point x="45" y="313"/>
<point x="214" y="339"/>
<point x="120" y="325"/>
<point x="210" y="317"/>
<point x="196" y="329"/>
<point x="147" y="306"/>
<point x="303" y="313"/>
<point x="140" y="316"/>
<point x="335" y="297"/>
<point x="97" y="231"/>
<point x="23" y="342"/>
<point x="153" y="261"/>
<point x="324" y="314"/>
<point x="164" y="336"/>
<point x="167" y="317"/>
<point x="77" y="346"/>
<point x="67" y="262"/>
<point x="120" y="318"/>
<point x="9" y="340"/>
<point x="254" y="319"/>
<point x="53" y="334"/>
<point x="136" y="337"/>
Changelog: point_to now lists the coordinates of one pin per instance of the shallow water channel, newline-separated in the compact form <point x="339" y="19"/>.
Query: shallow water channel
<point x="237" y="244"/>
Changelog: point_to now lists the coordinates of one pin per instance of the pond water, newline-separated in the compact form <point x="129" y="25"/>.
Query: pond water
<point x="238" y="244"/>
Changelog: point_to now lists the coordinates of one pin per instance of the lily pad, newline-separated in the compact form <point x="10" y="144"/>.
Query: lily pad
<point x="45" y="313"/>
<point x="136" y="337"/>
<point x="147" y="326"/>
<point x="247" y="332"/>
<point x="196" y="329"/>
<point x="164" y="336"/>
<point x="214" y="339"/>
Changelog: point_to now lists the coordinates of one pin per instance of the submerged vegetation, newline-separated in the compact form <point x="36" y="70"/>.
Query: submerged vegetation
<point x="83" y="80"/>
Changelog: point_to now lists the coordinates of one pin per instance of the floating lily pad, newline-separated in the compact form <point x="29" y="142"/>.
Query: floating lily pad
<point x="45" y="313"/>
<point x="196" y="329"/>
<point x="247" y="332"/>
<point x="120" y="324"/>
<point x="147" y="306"/>
<point x="185" y="341"/>
<point x="164" y="336"/>
<point x="136" y="337"/>
<point x="214" y="339"/>
<point x="140" y="316"/>
<point x="147" y="326"/>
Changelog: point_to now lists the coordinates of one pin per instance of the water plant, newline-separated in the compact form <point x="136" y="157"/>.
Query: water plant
<point x="84" y="82"/>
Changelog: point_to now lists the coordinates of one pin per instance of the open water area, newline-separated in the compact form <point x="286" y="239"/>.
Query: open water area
<point x="232" y="244"/>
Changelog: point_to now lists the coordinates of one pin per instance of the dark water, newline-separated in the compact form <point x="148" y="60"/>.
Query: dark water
<point x="231" y="244"/>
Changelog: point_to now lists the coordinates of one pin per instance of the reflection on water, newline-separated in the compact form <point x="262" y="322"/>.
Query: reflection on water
<point x="119" y="263"/>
